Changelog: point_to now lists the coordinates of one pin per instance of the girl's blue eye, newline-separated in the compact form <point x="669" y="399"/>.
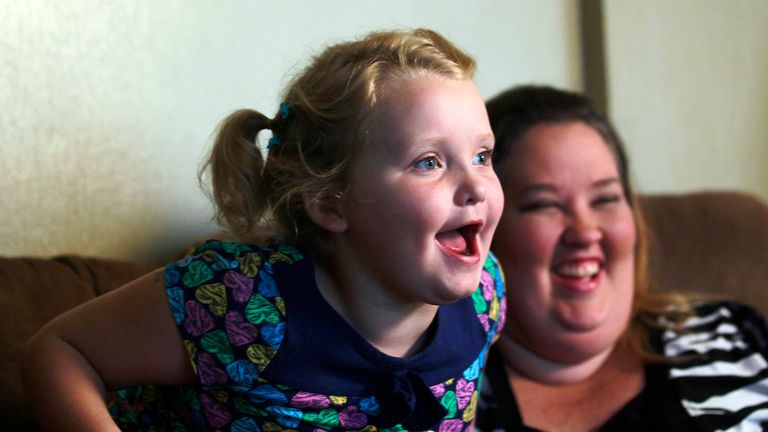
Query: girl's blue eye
<point x="483" y="158"/>
<point x="428" y="163"/>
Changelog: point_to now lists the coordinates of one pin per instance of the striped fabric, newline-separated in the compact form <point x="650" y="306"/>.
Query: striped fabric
<point x="723" y="383"/>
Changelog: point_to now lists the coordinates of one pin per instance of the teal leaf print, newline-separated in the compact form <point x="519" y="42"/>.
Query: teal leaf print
<point x="260" y="310"/>
<point x="216" y="342"/>
<point x="197" y="274"/>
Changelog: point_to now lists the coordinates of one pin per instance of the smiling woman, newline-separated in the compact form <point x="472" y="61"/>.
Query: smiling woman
<point x="587" y="346"/>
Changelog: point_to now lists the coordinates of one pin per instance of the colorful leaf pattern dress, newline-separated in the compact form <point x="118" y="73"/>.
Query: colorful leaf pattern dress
<point x="270" y="354"/>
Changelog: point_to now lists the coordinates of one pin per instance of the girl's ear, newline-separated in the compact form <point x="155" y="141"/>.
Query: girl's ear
<point x="323" y="209"/>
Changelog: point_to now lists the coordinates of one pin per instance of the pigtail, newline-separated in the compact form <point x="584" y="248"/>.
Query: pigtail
<point x="316" y="134"/>
<point x="235" y="167"/>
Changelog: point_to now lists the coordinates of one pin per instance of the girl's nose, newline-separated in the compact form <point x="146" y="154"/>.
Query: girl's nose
<point x="472" y="189"/>
<point x="581" y="230"/>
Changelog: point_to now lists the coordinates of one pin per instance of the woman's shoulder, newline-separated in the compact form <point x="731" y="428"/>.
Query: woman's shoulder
<point x="718" y="322"/>
<point x="721" y="355"/>
<point x="725" y="316"/>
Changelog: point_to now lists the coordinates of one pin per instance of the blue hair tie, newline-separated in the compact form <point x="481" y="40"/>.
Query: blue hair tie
<point x="285" y="110"/>
<point x="273" y="142"/>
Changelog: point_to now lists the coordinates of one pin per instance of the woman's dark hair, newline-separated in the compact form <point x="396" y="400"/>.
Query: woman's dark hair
<point x="516" y="111"/>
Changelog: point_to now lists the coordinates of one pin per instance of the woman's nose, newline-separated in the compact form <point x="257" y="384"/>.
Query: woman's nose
<point x="581" y="230"/>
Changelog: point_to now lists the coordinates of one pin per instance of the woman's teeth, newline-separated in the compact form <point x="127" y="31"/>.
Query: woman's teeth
<point x="581" y="270"/>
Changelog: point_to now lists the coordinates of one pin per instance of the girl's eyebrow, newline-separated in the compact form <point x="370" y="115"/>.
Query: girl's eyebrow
<point x="487" y="138"/>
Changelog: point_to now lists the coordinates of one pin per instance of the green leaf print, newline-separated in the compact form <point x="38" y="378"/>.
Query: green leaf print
<point x="197" y="273"/>
<point x="216" y="342"/>
<point x="260" y="310"/>
<point x="246" y="407"/>
<point x="449" y="402"/>
<point x="327" y="418"/>
<point x="481" y="305"/>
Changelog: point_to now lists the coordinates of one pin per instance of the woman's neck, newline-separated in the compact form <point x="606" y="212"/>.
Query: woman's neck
<point x="398" y="330"/>
<point x="526" y="363"/>
<point x="578" y="397"/>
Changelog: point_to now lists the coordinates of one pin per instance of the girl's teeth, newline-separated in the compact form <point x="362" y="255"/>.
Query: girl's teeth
<point x="579" y="271"/>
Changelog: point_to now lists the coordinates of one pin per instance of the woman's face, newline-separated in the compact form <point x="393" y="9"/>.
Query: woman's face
<point x="566" y="241"/>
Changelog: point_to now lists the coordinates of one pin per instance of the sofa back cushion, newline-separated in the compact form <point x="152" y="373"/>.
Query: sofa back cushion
<point x="32" y="292"/>
<point x="709" y="242"/>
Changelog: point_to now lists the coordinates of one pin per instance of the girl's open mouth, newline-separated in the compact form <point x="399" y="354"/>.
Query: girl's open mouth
<point x="461" y="241"/>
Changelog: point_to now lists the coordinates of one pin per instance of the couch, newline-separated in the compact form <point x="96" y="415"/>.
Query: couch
<point x="709" y="242"/>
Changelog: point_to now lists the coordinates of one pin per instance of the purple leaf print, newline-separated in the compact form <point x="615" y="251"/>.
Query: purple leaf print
<point x="239" y="331"/>
<point x="208" y="371"/>
<point x="198" y="319"/>
<point x="464" y="391"/>
<point x="240" y="284"/>
<point x="216" y="413"/>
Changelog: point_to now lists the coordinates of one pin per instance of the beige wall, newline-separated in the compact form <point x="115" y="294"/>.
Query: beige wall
<point x="688" y="86"/>
<point x="108" y="107"/>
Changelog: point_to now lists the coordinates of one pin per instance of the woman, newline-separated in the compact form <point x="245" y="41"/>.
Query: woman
<point x="587" y="346"/>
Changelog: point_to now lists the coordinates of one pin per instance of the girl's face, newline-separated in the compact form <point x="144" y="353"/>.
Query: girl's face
<point x="566" y="242"/>
<point x="424" y="200"/>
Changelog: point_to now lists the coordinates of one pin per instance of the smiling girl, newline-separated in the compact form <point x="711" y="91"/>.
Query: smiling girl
<point x="362" y="295"/>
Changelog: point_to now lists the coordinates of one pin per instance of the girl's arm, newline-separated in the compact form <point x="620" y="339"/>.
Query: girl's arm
<point x="126" y="337"/>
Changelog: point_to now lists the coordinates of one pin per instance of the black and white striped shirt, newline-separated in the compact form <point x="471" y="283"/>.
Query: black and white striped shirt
<point x="722" y="385"/>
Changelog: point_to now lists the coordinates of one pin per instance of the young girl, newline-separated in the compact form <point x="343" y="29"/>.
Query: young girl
<point x="370" y="304"/>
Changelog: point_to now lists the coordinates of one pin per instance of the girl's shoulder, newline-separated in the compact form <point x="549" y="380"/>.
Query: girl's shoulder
<point x="225" y="298"/>
<point x="489" y="298"/>
<point x="214" y="259"/>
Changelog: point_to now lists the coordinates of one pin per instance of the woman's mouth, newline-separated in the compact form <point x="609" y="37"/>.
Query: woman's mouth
<point x="578" y="275"/>
<point x="461" y="242"/>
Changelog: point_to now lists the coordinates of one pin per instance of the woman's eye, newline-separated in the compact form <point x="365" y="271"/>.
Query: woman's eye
<point x="538" y="206"/>
<point x="428" y="163"/>
<point x="482" y="158"/>
<point x="607" y="199"/>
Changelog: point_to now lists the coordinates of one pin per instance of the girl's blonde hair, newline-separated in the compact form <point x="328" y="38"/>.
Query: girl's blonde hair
<point x="516" y="111"/>
<point x="319" y="129"/>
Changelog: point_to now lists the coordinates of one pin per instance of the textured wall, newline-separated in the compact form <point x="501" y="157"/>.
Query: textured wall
<point x="689" y="91"/>
<point x="108" y="107"/>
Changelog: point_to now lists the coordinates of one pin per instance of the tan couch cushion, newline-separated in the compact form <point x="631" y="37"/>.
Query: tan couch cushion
<point x="710" y="242"/>
<point x="32" y="292"/>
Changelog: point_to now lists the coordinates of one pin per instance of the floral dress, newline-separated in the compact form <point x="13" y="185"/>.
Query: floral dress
<point x="270" y="354"/>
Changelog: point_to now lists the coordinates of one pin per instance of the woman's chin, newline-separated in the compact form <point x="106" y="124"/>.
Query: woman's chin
<point x="580" y="318"/>
<point x="569" y="347"/>
<point x="562" y="362"/>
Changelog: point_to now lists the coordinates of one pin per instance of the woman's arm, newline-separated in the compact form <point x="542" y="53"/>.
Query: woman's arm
<point x="123" y="338"/>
